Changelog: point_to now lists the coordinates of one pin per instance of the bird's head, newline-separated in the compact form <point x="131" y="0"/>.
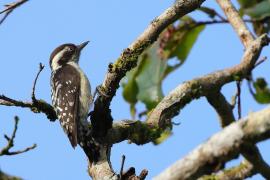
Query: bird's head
<point x="66" y="53"/>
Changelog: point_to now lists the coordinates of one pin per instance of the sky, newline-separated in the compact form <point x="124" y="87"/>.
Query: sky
<point x="31" y="32"/>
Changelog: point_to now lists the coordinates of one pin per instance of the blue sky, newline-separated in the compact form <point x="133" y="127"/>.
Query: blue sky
<point x="32" y="31"/>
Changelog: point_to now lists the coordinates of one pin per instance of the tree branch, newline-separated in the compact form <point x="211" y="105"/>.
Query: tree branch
<point x="222" y="107"/>
<point x="36" y="106"/>
<point x="101" y="120"/>
<point x="41" y="67"/>
<point x="171" y="104"/>
<point x="236" y="21"/>
<point x="248" y="150"/>
<point x="10" y="144"/>
<point x="101" y="117"/>
<point x="135" y="131"/>
<point x="221" y="147"/>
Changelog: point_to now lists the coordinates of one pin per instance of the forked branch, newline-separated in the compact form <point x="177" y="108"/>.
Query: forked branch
<point x="101" y="117"/>
<point x="10" y="142"/>
<point x="9" y="8"/>
<point x="171" y="104"/>
<point x="221" y="147"/>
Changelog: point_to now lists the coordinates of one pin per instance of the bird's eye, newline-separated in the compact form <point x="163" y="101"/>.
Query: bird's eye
<point x="70" y="49"/>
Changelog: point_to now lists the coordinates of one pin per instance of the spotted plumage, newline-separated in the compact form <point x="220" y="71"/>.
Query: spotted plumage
<point x="71" y="95"/>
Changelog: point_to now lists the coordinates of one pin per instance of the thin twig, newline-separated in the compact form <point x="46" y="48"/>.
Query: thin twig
<point x="211" y="12"/>
<point x="41" y="67"/>
<point x="22" y="151"/>
<point x="220" y="17"/>
<point x="250" y="87"/>
<point x="122" y="166"/>
<point x="260" y="61"/>
<point x="12" y="6"/>
<point x="16" y="119"/>
<point x="4" y="17"/>
<point x="213" y="22"/>
<point x="238" y="85"/>
<point x="9" y="8"/>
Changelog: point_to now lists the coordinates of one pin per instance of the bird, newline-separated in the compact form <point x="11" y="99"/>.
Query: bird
<point x="70" y="91"/>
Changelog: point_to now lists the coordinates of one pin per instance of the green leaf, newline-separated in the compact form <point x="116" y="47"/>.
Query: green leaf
<point x="262" y="94"/>
<point x="244" y="4"/>
<point x="182" y="39"/>
<point x="144" y="83"/>
<point x="130" y="88"/>
<point x="184" y="47"/>
<point x="260" y="10"/>
<point x="150" y="77"/>
<point x="247" y="3"/>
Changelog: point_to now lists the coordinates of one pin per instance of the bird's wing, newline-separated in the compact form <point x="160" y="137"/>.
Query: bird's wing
<point x="65" y="99"/>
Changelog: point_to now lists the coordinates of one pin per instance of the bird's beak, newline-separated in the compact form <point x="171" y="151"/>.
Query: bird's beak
<point x="81" y="46"/>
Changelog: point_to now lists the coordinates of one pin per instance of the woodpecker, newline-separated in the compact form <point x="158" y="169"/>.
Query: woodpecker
<point x="70" y="91"/>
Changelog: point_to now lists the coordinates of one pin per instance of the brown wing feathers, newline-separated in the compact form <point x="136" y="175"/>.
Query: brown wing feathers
<point x="66" y="100"/>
